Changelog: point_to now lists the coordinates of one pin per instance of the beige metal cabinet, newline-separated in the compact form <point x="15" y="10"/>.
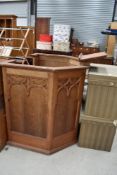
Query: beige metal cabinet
<point x="96" y="133"/>
<point x="101" y="98"/>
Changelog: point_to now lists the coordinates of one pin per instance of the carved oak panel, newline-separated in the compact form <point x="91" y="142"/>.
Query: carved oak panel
<point x="27" y="98"/>
<point x="66" y="105"/>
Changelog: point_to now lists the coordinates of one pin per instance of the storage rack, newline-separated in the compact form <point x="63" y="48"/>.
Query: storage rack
<point x="20" y="46"/>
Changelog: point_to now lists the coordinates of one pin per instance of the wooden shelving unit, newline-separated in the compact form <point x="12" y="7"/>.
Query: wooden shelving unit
<point x="8" y="21"/>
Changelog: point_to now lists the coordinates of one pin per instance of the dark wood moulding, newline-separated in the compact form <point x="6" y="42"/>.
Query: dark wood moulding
<point x="3" y="131"/>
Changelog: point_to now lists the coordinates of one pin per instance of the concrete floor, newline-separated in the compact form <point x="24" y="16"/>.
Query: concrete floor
<point x="70" y="161"/>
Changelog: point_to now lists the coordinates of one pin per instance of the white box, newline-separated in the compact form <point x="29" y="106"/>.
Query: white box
<point x="61" y="46"/>
<point x="44" y="45"/>
<point x="61" y="32"/>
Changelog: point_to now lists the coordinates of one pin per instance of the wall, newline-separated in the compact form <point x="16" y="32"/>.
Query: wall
<point x="87" y="18"/>
<point x="115" y="15"/>
<point x="20" y="9"/>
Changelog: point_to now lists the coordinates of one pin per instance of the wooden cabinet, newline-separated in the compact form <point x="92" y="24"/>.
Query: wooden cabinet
<point x="43" y="102"/>
<point x="42" y="26"/>
<point x="84" y="50"/>
<point x="8" y="21"/>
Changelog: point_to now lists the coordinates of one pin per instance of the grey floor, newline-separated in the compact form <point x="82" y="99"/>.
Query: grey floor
<point x="70" y="161"/>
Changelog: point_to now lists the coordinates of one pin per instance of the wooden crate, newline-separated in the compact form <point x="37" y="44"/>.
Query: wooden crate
<point x="96" y="133"/>
<point x="111" y="40"/>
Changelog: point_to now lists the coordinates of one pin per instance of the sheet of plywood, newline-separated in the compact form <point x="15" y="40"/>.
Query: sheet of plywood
<point x="111" y="40"/>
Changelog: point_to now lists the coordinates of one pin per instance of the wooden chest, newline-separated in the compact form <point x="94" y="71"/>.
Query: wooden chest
<point x="96" y="133"/>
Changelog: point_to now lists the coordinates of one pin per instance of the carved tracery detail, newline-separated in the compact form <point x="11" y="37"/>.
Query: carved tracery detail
<point x="28" y="82"/>
<point x="68" y="84"/>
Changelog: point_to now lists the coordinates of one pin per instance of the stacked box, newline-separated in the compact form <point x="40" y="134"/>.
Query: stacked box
<point x="61" y="33"/>
<point x="97" y="129"/>
<point x="45" y="38"/>
<point x="44" y="45"/>
<point x="61" y="46"/>
<point x="96" y="133"/>
<point x="61" y="37"/>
